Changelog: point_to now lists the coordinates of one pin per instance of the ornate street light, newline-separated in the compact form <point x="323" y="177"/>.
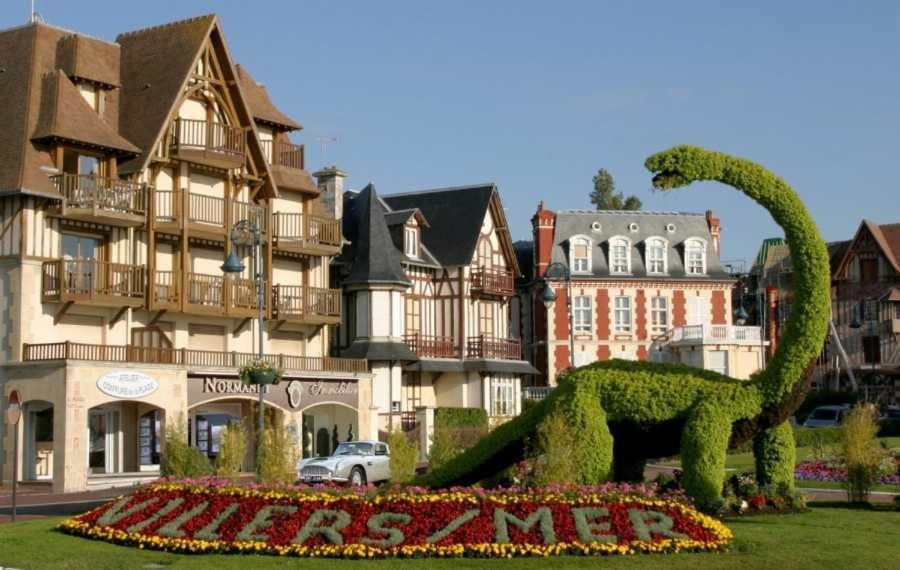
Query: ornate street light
<point x="234" y="266"/>
<point x="741" y="316"/>
<point x="549" y="298"/>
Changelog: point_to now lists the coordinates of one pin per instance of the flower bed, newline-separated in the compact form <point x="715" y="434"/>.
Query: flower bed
<point x="412" y="522"/>
<point x="825" y="471"/>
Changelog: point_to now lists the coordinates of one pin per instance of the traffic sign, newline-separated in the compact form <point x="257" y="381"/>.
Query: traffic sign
<point x="14" y="408"/>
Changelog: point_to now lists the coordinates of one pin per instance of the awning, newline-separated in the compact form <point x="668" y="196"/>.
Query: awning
<point x="502" y="366"/>
<point x="436" y="365"/>
<point x="380" y="350"/>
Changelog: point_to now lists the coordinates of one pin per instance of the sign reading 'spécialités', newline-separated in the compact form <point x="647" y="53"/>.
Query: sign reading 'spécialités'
<point x="291" y="393"/>
<point x="127" y="384"/>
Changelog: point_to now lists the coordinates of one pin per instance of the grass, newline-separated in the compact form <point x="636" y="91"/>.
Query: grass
<point x="829" y="536"/>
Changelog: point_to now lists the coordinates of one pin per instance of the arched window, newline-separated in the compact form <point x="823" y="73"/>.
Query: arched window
<point x="485" y="253"/>
<point x="619" y="255"/>
<point x="580" y="254"/>
<point x="655" y="252"/>
<point x="695" y="256"/>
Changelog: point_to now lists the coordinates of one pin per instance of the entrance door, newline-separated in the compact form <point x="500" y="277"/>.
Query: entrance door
<point x="38" y="441"/>
<point x="103" y="438"/>
<point x="718" y="361"/>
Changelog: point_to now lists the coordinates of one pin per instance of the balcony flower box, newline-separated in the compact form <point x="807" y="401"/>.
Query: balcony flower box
<point x="260" y="372"/>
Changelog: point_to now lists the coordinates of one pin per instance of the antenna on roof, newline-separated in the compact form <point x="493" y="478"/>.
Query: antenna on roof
<point x="34" y="17"/>
<point x="324" y="142"/>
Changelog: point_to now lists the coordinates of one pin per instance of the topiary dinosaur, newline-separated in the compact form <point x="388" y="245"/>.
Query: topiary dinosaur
<point x="630" y="411"/>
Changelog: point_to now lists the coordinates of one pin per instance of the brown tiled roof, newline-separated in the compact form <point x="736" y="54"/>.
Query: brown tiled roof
<point x="888" y="236"/>
<point x="64" y="114"/>
<point x="156" y="62"/>
<point x="257" y="98"/>
<point x="89" y="58"/>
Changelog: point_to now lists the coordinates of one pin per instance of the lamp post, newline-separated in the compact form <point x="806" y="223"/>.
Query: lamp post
<point x="549" y="297"/>
<point x="234" y="266"/>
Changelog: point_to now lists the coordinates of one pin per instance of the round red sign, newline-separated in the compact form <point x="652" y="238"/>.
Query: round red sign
<point x="14" y="408"/>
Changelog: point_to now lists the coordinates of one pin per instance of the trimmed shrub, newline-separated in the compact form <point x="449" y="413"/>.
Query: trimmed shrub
<point x="455" y="430"/>
<point x="812" y="437"/>
<point x="404" y="457"/>
<point x="232" y="450"/>
<point x="461" y="417"/>
<point x="558" y="453"/>
<point x="278" y="457"/>
<point x="180" y="459"/>
<point x="775" y="453"/>
<point x="860" y="452"/>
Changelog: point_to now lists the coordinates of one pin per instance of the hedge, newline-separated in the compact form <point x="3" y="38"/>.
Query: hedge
<point x="460" y="417"/>
<point x="656" y="400"/>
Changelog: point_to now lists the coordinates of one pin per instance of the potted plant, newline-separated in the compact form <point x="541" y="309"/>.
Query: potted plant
<point x="260" y="372"/>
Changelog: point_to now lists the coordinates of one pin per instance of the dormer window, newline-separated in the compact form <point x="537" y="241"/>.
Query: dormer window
<point x="580" y="254"/>
<point x="695" y="256"/>
<point x="411" y="242"/>
<point x="620" y="256"/>
<point x="657" y="262"/>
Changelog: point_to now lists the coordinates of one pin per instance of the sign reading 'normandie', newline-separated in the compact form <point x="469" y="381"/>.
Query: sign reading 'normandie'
<point x="291" y="393"/>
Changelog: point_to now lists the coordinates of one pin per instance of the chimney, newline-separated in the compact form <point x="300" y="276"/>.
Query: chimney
<point x="543" y="225"/>
<point x="715" y="228"/>
<point x="330" y="181"/>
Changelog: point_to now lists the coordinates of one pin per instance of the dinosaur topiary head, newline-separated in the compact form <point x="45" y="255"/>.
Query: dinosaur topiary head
<point x="683" y="164"/>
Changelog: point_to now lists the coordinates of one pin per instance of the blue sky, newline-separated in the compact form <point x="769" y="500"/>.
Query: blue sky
<point x="537" y="96"/>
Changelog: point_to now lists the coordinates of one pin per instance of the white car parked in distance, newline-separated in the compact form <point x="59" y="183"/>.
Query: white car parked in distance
<point x="354" y="462"/>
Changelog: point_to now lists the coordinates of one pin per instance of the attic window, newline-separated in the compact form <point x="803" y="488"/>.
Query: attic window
<point x="670" y="228"/>
<point x="695" y="254"/>
<point x="596" y="227"/>
<point x="580" y="254"/>
<point x="411" y="242"/>
<point x="620" y="255"/>
<point x="633" y="227"/>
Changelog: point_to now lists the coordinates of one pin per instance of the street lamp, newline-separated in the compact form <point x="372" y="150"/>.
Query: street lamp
<point x="740" y="315"/>
<point x="549" y="297"/>
<point x="234" y="266"/>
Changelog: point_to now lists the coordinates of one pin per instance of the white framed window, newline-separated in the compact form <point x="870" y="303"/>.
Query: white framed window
<point x="620" y="256"/>
<point x="503" y="396"/>
<point x="622" y="314"/>
<point x="581" y="313"/>
<point x="411" y="242"/>
<point x="584" y="357"/>
<point x="580" y="253"/>
<point x="659" y="314"/>
<point x="695" y="256"/>
<point x="657" y="260"/>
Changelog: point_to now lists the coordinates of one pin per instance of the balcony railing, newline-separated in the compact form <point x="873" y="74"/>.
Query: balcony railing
<point x="205" y="290"/>
<point x="206" y="135"/>
<point x="711" y="334"/>
<point x="304" y="230"/>
<point x="90" y="280"/>
<point x="166" y="288"/>
<point x="184" y="357"/>
<point x="295" y="302"/>
<point x="248" y="211"/>
<point x="536" y="393"/>
<point x="486" y="346"/>
<point x="102" y="194"/>
<point x="488" y="281"/>
<point x="428" y="346"/>
<point x="284" y="154"/>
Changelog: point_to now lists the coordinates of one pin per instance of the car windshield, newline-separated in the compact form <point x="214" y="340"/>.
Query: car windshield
<point x="823" y="414"/>
<point x="354" y="449"/>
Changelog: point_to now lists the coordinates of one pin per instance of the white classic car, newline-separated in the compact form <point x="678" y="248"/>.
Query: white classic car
<point x="354" y="462"/>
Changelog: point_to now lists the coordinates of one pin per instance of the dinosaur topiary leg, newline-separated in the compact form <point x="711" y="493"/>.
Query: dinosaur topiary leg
<point x="775" y="452"/>
<point x="704" y="444"/>
<point x="588" y="418"/>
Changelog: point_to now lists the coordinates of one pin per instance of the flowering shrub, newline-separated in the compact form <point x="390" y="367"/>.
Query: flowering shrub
<point x="207" y="516"/>
<point x="744" y="495"/>
<point x="832" y="471"/>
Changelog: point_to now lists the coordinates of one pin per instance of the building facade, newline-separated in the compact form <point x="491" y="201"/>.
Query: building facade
<point x="643" y="285"/>
<point x="427" y="281"/>
<point x="865" y="310"/>
<point x="123" y="169"/>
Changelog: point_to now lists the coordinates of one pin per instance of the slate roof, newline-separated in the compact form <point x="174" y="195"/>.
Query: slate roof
<point x="570" y="223"/>
<point x="257" y="97"/>
<point x="371" y="256"/>
<point x="454" y="216"/>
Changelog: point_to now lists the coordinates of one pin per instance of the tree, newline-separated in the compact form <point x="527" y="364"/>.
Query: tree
<point x="604" y="196"/>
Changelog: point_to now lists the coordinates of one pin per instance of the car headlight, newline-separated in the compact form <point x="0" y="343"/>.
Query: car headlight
<point x="337" y="466"/>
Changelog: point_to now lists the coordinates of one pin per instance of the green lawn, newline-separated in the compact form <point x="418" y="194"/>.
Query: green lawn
<point x="828" y="537"/>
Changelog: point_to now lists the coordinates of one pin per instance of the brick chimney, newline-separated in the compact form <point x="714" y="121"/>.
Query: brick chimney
<point x="715" y="228"/>
<point x="331" y="190"/>
<point x="543" y="225"/>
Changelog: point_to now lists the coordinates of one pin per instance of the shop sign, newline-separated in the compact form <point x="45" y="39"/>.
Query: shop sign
<point x="127" y="385"/>
<point x="291" y="393"/>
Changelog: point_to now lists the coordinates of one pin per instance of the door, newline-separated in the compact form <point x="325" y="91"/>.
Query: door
<point x="150" y="344"/>
<point x="103" y="437"/>
<point x="38" y="447"/>
<point x="80" y="254"/>
<point x="698" y="311"/>
<point x="718" y="361"/>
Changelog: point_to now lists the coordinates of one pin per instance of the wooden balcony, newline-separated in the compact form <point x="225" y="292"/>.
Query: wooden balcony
<point x="486" y="346"/>
<point x="204" y="294"/>
<point x="304" y="233"/>
<point x="205" y="215"/>
<point x="208" y="143"/>
<point x="186" y="357"/>
<point x="428" y="346"/>
<point x="487" y="282"/>
<point x="109" y="201"/>
<point x="285" y="154"/>
<point x="306" y="305"/>
<point x="93" y="282"/>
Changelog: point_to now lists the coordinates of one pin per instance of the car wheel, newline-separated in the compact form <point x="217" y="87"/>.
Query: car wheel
<point x="357" y="476"/>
